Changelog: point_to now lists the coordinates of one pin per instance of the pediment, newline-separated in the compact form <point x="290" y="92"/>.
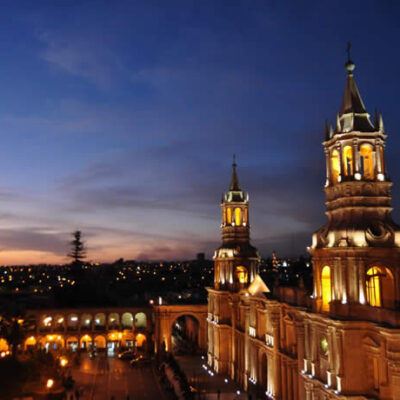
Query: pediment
<point x="371" y="342"/>
<point x="258" y="287"/>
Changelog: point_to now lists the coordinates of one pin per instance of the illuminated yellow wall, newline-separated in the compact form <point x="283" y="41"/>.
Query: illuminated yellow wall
<point x="367" y="161"/>
<point x="348" y="160"/>
<point x="335" y="166"/>
<point x="238" y="216"/>
<point x="326" y="288"/>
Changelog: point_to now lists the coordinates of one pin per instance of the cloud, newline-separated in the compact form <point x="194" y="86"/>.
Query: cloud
<point x="34" y="239"/>
<point x="81" y="55"/>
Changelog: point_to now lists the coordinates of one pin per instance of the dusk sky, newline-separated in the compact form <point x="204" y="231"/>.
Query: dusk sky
<point x="121" y="118"/>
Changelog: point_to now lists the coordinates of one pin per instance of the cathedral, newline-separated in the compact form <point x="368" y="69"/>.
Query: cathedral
<point x="342" y="341"/>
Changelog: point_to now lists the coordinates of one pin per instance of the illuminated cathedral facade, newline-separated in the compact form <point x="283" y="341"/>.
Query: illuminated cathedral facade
<point x="343" y="340"/>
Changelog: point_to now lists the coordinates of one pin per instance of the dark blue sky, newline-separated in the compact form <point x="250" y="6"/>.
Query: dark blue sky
<point x="121" y="120"/>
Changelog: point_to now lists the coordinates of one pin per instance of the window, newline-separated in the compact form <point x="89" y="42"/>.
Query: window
<point x="380" y="287"/>
<point x="238" y="216"/>
<point x="335" y="166"/>
<point x="326" y="288"/>
<point x="229" y="216"/>
<point x="367" y="161"/>
<point x="348" y="160"/>
<point x="324" y="345"/>
<point x="241" y="274"/>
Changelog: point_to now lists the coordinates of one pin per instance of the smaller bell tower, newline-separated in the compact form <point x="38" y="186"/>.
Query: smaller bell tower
<point x="236" y="261"/>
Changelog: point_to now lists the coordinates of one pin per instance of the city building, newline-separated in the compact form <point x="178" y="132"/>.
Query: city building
<point x="343" y="340"/>
<point x="90" y="328"/>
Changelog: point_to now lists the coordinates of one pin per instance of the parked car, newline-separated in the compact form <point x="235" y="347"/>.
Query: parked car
<point x="127" y="355"/>
<point x="140" y="361"/>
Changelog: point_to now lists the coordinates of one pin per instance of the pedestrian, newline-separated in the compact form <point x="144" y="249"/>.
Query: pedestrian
<point x="71" y="397"/>
<point x="127" y="397"/>
<point x="77" y="394"/>
<point x="112" y="398"/>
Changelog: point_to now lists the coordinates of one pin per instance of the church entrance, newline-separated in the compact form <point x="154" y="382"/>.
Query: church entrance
<point x="185" y="335"/>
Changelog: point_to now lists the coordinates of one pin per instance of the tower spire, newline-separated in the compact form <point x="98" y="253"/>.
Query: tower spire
<point x="353" y="115"/>
<point x="234" y="187"/>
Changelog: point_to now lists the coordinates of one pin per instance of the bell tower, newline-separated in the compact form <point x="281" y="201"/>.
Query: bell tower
<point x="236" y="261"/>
<point x="356" y="253"/>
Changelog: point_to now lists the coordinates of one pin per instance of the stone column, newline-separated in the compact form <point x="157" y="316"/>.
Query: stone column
<point x="297" y="383"/>
<point x="277" y="371"/>
<point x="356" y="157"/>
<point x="328" y="167"/>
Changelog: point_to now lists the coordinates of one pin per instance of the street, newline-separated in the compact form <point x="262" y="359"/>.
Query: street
<point x="106" y="378"/>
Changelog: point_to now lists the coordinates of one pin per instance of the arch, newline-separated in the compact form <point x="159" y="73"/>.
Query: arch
<point x="367" y="161"/>
<point x="185" y="334"/>
<point x="264" y="371"/>
<point x="99" y="321"/>
<point x="241" y="274"/>
<point x="72" y="322"/>
<point x="100" y="342"/>
<point x="86" y="322"/>
<point x="4" y="345"/>
<point x="59" y="322"/>
<point x="335" y="166"/>
<point x="246" y="216"/>
<point x="127" y="320"/>
<point x="52" y="342"/>
<point x="113" y="321"/>
<point x="30" y="342"/>
<point x="238" y="216"/>
<point x="326" y="289"/>
<point x="380" y="287"/>
<point x="140" y="320"/>
<point x="86" y="342"/>
<point x="348" y="160"/>
<point x="229" y="215"/>
<point x="46" y="321"/>
<point x="140" y="340"/>
<point x="72" y="343"/>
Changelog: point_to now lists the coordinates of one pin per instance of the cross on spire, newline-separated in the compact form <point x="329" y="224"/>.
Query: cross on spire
<point x="348" y="48"/>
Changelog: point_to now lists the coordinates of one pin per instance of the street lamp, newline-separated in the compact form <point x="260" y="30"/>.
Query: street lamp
<point x="63" y="362"/>
<point x="50" y="383"/>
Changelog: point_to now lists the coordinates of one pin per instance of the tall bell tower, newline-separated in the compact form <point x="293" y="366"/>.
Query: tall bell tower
<point x="236" y="260"/>
<point x="356" y="254"/>
<point x="235" y="267"/>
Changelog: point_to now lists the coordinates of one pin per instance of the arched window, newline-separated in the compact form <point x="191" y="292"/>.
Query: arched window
<point x="367" y="161"/>
<point x="140" y="320"/>
<point x="238" y="216"/>
<point x="246" y="216"/>
<point x="241" y="274"/>
<point x="326" y="288"/>
<point x="229" y="216"/>
<point x="348" y="160"/>
<point x="380" y="287"/>
<point x="335" y="166"/>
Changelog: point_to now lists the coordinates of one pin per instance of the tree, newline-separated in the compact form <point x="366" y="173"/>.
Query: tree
<point x="78" y="251"/>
